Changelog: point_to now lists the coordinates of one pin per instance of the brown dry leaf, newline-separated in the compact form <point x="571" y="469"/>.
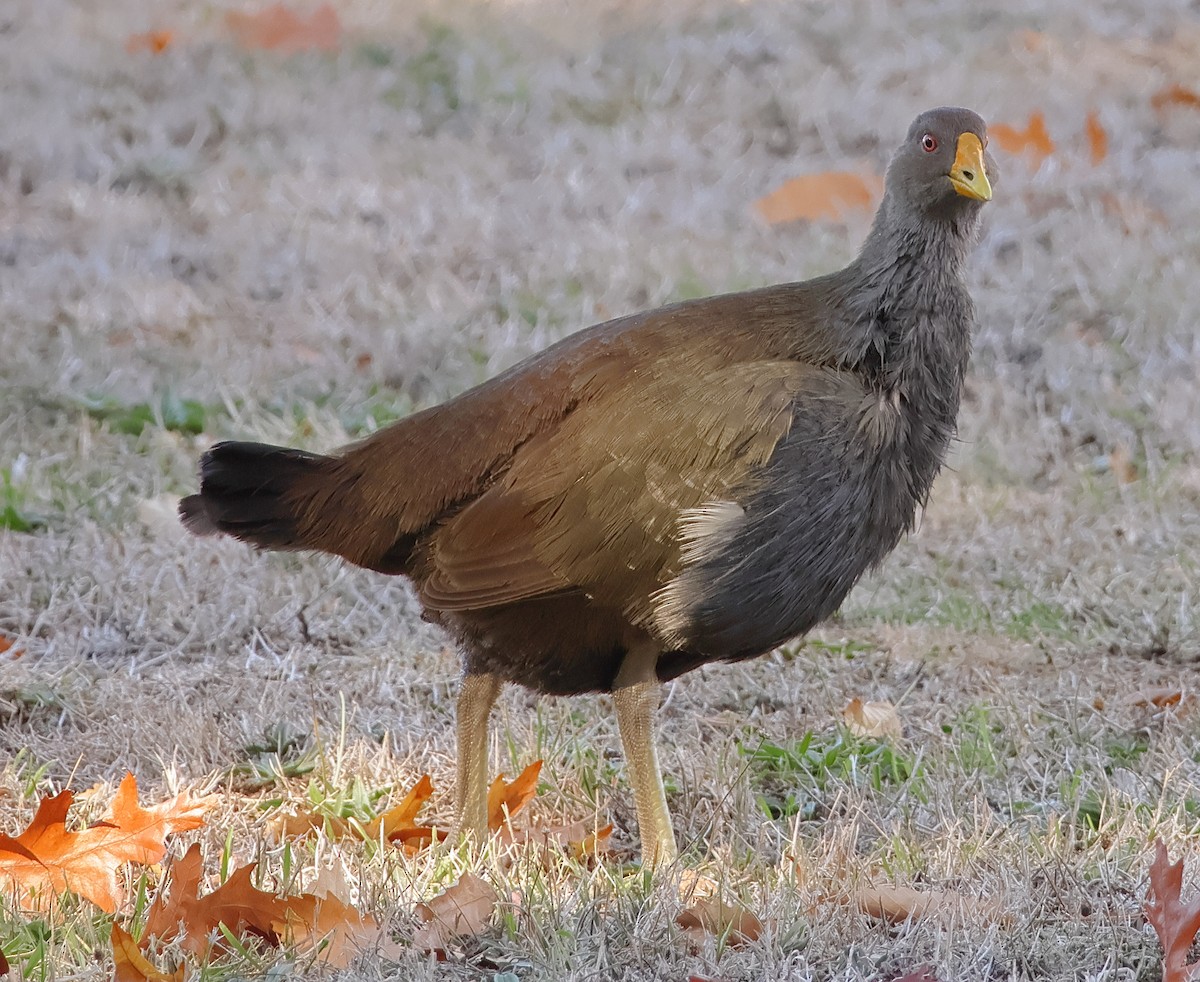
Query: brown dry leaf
<point x="1034" y="139"/>
<point x="581" y="839"/>
<point x="130" y="965"/>
<point x="9" y="646"/>
<point x="896" y="904"/>
<point x="873" y="719"/>
<point x="924" y="973"/>
<point x="47" y="858"/>
<point x="1175" y="95"/>
<point x="463" y="910"/>
<point x="1097" y="138"/>
<point x="279" y="28"/>
<point x="154" y="42"/>
<point x="1176" y="923"/>
<point x="732" y="923"/>
<point x="181" y="912"/>
<point x="328" y="925"/>
<point x="4" y="967"/>
<point x="307" y="921"/>
<point x="1161" y="697"/>
<point x="829" y="196"/>
<point x="505" y="798"/>
<point x="1120" y="463"/>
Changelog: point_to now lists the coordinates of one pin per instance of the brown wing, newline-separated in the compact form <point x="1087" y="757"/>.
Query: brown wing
<point x="596" y="504"/>
<point x="592" y="409"/>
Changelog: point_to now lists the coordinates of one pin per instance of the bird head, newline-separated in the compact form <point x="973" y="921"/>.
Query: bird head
<point x="942" y="169"/>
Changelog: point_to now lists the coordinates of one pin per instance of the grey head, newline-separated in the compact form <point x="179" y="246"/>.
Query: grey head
<point x="942" y="170"/>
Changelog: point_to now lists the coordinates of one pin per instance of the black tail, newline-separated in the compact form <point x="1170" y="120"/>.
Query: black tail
<point x="254" y="492"/>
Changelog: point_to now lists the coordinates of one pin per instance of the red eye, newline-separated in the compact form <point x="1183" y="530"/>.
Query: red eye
<point x="928" y="143"/>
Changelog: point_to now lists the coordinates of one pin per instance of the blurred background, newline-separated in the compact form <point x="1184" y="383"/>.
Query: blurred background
<point x="297" y="223"/>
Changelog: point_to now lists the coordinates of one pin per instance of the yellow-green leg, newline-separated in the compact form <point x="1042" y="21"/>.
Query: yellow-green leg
<point x="475" y="700"/>
<point x="636" y="694"/>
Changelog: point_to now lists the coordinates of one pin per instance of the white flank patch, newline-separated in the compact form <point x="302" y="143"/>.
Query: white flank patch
<point x="708" y="527"/>
<point x="702" y="530"/>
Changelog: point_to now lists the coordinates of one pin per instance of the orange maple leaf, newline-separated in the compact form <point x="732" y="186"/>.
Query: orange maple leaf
<point x="399" y="821"/>
<point x="279" y="28"/>
<point x="505" y="798"/>
<point x="1175" y="95"/>
<point x="829" y="196"/>
<point x="48" y="858"/>
<point x="1097" y="138"/>
<point x="397" y="824"/>
<point x="155" y="42"/>
<point x="1034" y="139"/>
<point x="130" y="965"/>
<point x="1176" y="923"/>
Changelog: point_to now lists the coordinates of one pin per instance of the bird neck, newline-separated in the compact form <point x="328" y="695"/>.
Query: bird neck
<point x="906" y="314"/>
<point x="906" y="256"/>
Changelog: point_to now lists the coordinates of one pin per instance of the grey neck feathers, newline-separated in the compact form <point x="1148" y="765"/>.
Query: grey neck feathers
<point x="906" y="313"/>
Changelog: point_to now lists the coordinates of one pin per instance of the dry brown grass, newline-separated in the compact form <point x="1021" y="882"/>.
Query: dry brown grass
<point x="466" y="183"/>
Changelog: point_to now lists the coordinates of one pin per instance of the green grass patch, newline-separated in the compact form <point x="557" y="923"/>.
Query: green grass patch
<point x="796" y="778"/>
<point x="169" y="412"/>
<point x="15" y="516"/>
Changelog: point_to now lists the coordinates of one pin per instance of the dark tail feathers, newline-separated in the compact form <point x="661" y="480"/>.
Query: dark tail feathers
<point x="254" y="492"/>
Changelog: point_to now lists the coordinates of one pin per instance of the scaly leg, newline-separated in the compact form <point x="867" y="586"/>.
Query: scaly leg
<point x="636" y="693"/>
<point x="475" y="700"/>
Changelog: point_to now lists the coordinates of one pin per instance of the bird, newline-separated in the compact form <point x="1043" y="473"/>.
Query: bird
<point x="693" y="484"/>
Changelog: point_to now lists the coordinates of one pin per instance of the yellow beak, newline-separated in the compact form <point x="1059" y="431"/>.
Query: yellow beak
<point x="968" y="175"/>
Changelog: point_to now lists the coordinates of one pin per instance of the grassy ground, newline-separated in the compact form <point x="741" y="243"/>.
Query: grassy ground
<point x="211" y="244"/>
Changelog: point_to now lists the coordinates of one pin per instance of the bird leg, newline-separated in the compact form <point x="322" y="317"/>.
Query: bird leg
<point x="475" y="700"/>
<point x="636" y="698"/>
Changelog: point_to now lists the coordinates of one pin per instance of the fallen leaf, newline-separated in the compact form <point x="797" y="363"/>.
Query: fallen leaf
<point x="1176" y="923"/>
<point x="9" y="646"/>
<point x="829" y="196"/>
<point x="694" y="886"/>
<point x="155" y="42"/>
<point x="1175" y="95"/>
<point x="463" y="910"/>
<point x="402" y="818"/>
<point x="872" y="719"/>
<point x="1161" y="697"/>
<point x="595" y="843"/>
<point x="729" y="922"/>
<point x="506" y="798"/>
<point x="1097" y="138"/>
<point x="923" y="974"/>
<point x="397" y="824"/>
<point x="580" y="839"/>
<point x="896" y="904"/>
<point x="131" y="965"/>
<point x="4" y="967"/>
<point x="144" y="830"/>
<point x="279" y="28"/>
<point x="47" y="858"/>
<point x="326" y="925"/>
<point x="179" y="911"/>
<point x="1120" y="463"/>
<point x="1034" y="139"/>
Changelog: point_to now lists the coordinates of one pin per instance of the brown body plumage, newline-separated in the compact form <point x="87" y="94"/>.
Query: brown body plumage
<point x="692" y="484"/>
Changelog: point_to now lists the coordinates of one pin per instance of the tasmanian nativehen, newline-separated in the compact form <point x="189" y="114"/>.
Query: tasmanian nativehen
<point x="694" y="484"/>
